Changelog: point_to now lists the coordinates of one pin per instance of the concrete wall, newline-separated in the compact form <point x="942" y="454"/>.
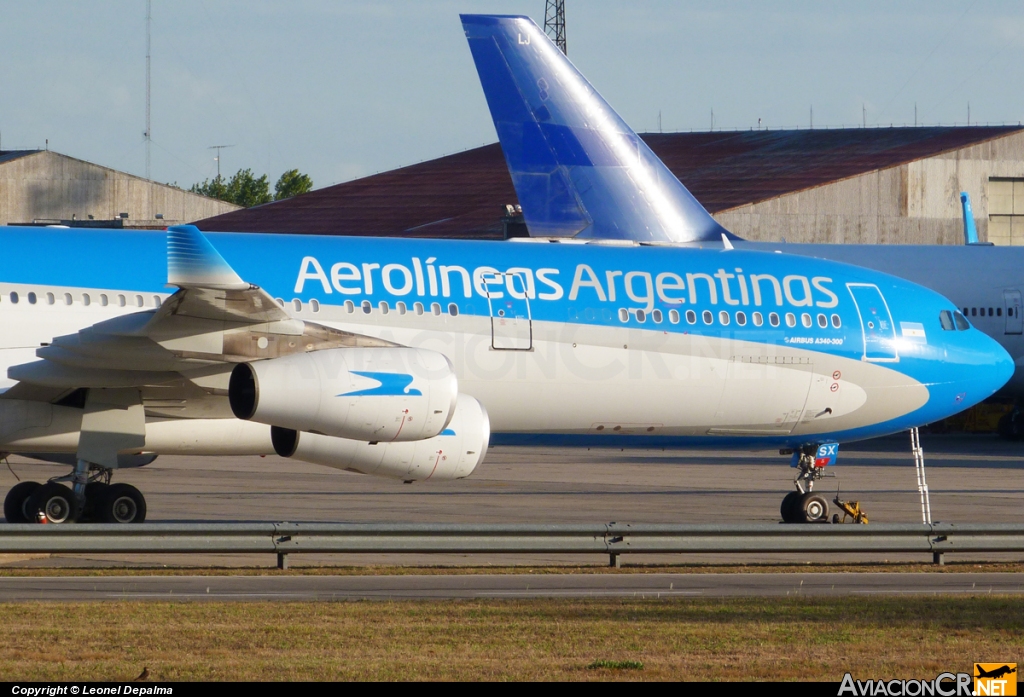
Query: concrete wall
<point x="48" y="185"/>
<point x="914" y="203"/>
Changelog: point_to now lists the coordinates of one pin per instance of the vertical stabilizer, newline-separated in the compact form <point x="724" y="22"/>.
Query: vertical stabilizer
<point x="578" y="169"/>
<point x="970" y="230"/>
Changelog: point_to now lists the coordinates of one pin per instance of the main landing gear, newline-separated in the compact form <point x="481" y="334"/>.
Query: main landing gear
<point x="90" y="499"/>
<point x="804" y="505"/>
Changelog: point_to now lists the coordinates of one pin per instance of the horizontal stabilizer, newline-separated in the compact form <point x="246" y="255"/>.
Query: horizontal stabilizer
<point x="578" y="169"/>
<point x="192" y="262"/>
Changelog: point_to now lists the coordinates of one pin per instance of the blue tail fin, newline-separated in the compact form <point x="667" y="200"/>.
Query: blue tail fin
<point x="970" y="230"/>
<point x="578" y="169"/>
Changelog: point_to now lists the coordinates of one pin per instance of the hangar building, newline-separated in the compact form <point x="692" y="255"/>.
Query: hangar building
<point x="858" y="185"/>
<point x="39" y="187"/>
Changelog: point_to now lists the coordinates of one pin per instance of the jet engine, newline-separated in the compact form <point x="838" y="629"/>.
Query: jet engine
<point x="365" y="394"/>
<point x="453" y="454"/>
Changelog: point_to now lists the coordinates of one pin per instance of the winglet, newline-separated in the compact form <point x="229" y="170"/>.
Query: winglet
<point x="970" y="230"/>
<point x="192" y="262"/>
<point x="578" y="169"/>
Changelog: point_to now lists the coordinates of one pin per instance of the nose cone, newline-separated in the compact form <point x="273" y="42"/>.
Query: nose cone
<point x="976" y="367"/>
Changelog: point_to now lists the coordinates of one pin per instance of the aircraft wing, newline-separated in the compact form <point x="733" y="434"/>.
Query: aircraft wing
<point x="183" y="351"/>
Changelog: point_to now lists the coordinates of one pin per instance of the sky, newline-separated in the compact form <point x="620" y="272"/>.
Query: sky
<point x="341" y="90"/>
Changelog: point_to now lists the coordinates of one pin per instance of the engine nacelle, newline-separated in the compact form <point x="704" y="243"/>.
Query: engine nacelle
<point x="452" y="455"/>
<point x="365" y="394"/>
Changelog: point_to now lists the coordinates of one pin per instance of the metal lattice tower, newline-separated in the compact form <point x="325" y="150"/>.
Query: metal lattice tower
<point x="554" y="23"/>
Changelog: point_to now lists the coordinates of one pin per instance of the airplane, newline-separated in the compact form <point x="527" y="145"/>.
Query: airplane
<point x="574" y="161"/>
<point x="995" y="673"/>
<point x="407" y="358"/>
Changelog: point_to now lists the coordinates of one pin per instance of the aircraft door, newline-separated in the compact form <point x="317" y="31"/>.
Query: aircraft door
<point x="875" y="322"/>
<point x="1014" y="321"/>
<point x="507" y="298"/>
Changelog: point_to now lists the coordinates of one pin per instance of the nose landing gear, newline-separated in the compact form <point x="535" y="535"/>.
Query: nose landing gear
<point x="804" y="505"/>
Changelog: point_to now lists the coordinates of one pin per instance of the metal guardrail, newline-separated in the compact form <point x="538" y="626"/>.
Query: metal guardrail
<point x="612" y="539"/>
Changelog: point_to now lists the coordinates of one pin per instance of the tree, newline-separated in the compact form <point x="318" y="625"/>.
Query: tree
<point x="247" y="191"/>
<point x="244" y="189"/>
<point x="292" y="183"/>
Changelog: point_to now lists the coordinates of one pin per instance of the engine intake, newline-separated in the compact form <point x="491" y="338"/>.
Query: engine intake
<point x="365" y="394"/>
<point x="453" y="454"/>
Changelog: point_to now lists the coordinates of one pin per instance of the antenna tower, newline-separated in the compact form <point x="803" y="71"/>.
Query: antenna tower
<point x="147" y="134"/>
<point x="554" y="23"/>
<point x="218" y="148"/>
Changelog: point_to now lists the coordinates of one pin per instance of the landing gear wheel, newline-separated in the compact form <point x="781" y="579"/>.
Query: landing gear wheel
<point x="16" y="503"/>
<point x="53" y="500"/>
<point x="786" y="509"/>
<point x="94" y="492"/>
<point x="121" y="503"/>
<point x="811" y="508"/>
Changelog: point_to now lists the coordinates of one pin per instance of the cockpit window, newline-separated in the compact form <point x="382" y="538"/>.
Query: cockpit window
<point x="946" y="318"/>
<point x="961" y="322"/>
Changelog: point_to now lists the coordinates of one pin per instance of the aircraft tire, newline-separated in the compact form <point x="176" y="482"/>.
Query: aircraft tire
<point x="786" y="509"/>
<point x="121" y="503"/>
<point x="16" y="502"/>
<point x="811" y="508"/>
<point x="53" y="500"/>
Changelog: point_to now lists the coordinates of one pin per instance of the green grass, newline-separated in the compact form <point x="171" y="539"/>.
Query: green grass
<point x="543" y="639"/>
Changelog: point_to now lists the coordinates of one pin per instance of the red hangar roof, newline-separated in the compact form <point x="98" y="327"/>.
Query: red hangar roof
<point x="463" y="195"/>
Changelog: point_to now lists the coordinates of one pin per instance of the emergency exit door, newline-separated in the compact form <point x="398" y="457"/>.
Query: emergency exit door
<point x="875" y="322"/>
<point x="1014" y="322"/>
<point x="507" y="298"/>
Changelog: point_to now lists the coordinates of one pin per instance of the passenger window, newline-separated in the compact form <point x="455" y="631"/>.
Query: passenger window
<point x="14" y="297"/>
<point x="723" y="317"/>
<point x="315" y="305"/>
<point x="435" y="309"/>
<point x="805" y="319"/>
<point x="641" y="316"/>
<point x="103" y="299"/>
<point x="946" y="320"/>
<point x="741" y="318"/>
<point x="350" y="306"/>
<point x="419" y="308"/>
<point x="691" y="317"/>
<point x="758" y="319"/>
<point x="121" y="301"/>
<point x="961" y="322"/>
<point x="400" y="306"/>
<point x="280" y="301"/>
<point x="367" y="307"/>
<point x="773" y="319"/>
<point x="453" y="309"/>
<point x="656" y="316"/>
<point x="383" y="307"/>
<point x="139" y="301"/>
<point x="68" y="299"/>
<point x="673" y="316"/>
<point x="297" y="304"/>
<point x="822" y="321"/>
<point x="836" y="321"/>
<point x="708" y="317"/>
<point x="50" y="299"/>
<point x="156" y="301"/>
<point x="990" y="312"/>
<point x="623" y="314"/>
<point x="999" y="312"/>
<point x="974" y="312"/>
<point x="790" y="319"/>
<point x="31" y="298"/>
<point x="85" y="299"/>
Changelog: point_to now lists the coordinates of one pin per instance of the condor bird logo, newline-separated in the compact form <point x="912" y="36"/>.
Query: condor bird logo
<point x="389" y="385"/>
